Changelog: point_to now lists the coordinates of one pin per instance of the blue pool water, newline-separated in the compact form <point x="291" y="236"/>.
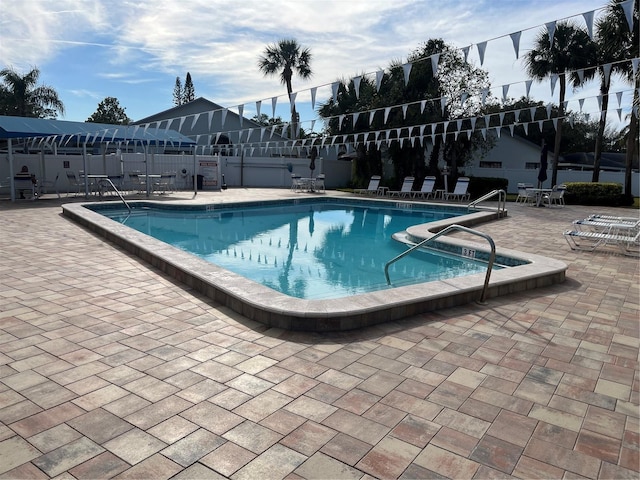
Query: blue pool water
<point x="313" y="250"/>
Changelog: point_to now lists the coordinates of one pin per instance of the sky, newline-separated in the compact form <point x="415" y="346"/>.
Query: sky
<point x="88" y="50"/>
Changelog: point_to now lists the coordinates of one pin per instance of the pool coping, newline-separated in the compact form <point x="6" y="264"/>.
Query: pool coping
<point x="274" y="309"/>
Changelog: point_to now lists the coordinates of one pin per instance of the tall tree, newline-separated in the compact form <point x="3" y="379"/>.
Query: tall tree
<point x="20" y="95"/>
<point x="285" y="58"/>
<point x="614" y="41"/>
<point x="571" y="50"/>
<point x="189" y="92"/>
<point x="110" y="111"/>
<point x="177" y="92"/>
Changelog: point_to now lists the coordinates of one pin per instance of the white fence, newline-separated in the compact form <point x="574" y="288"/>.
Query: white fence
<point x="272" y="172"/>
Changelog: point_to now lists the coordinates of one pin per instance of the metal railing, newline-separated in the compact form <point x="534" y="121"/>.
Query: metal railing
<point x="117" y="192"/>
<point x="448" y="229"/>
<point x="502" y="201"/>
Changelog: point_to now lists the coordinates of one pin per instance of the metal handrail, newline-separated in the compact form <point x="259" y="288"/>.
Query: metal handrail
<point x="492" y="256"/>
<point x="117" y="191"/>
<point x="502" y="200"/>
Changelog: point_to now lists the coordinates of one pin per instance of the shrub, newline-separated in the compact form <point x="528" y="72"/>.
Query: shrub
<point x="599" y="193"/>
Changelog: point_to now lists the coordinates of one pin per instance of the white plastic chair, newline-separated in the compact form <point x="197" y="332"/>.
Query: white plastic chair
<point x="372" y="188"/>
<point x="556" y="197"/>
<point x="460" y="192"/>
<point x="405" y="190"/>
<point x="319" y="183"/>
<point x="524" y="194"/>
<point x="426" y="191"/>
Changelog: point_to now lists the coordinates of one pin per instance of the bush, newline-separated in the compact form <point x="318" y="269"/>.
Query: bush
<point x="599" y="193"/>
<point x="479" y="186"/>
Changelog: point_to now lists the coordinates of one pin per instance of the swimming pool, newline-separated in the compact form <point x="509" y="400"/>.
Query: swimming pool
<point x="315" y="250"/>
<point x="274" y="309"/>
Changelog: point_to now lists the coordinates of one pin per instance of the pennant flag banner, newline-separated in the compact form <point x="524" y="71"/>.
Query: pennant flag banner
<point x="588" y="19"/>
<point x="551" y="29"/>
<point x="240" y="112"/>
<point x="481" y="48"/>
<point x="258" y="105"/>
<point x="515" y="38"/>
<point x="356" y="86"/>
<point x="407" y="71"/>
<point x="334" y="91"/>
<point x="434" y="63"/>
<point x="379" y="75"/>
<point x="313" y="97"/>
<point x="274" y="100"/>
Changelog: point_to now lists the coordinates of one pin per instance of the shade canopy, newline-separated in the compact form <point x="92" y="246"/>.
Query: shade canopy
<point x="81" y="132"/>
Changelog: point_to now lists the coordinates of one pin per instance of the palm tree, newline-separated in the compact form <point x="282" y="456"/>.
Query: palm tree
<point x="20" y="95"/>
<point x="285" y="58"/>
<point x="572" y="50"/>
<point x="615" y="44"/>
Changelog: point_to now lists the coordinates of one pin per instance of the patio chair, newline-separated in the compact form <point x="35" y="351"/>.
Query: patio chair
<point x="166" y="183"/>
<point x="556" y="197"/>
<point x="372" y="189"/>
<point x="460" y="192"/>
<point x="319" y="183"/>
<point x="406" y="189"/>
<point x="617" y="227"/>
<point x="524" y="194"/>
<point x="47" y="185"/>
<point x="296" y="182"/>
<point x="74" y="184"/>
<point x="590" y="241"/>
<point x="426" y="191"/>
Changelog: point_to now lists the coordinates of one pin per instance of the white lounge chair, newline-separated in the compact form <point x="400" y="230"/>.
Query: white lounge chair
<point x="372" y="188"/>
<point x="405" y="190"/>
<point x="618" y="227"/>
<point x="590" y="241"/>
<point x="74" y="184"/>
<point x="319" y="183"/>
<point x="426" y="191"/>
<point x="460" y="192"/>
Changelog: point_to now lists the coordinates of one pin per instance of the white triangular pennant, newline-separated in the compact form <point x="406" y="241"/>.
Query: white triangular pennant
<point x="588" y="19"/>
<point x="554" y="79"/>
<point x="313" y="97"/>
<point x="497" y="129"/>
<point x="274" y="101"/>
<point x="240" y="112"/>
<point x="404" y="111"/>
<point x="443" y="104"/>
<point x="551" y="28"/>
<point x="634" y="66"/>
<point x="607" y="72"/>
<point x="463" y="98"/>
<point x="501" y="115"/>
<point x="511" y="127"/>
<point x="599" y="98"/>
<point x="465" y="52"/>
<point x="540" y="122"/>
<point x="526" y="128"/>
<point x="485" y="92"/>
<point x="548" y="110"/>
<point x="532" y="112"/>
<point x="379" y="75"/>
<point x="292" y="100"/>
<point x="527" y="84"/>
<point x="628" y="12"/>
<point x="481" y="48"/>
<point x="580" y="73"/>
<point x="423" y="103"/>
<point x="581" y="103"/>
<point x="210" y="118"/>
<point x="483" y="131"/>
<point x="555" y="123"/>
<point x="340" y="119"/>
<point x="356" y="85"/>
<point x="224" y="116"/>
<point x="262" y="133"/>
<point x="258" y="106"/>
<point x="434" y="63"/>
<point x="515" y="38"/>
<point x="386" y="114"/>
<point x="473" y="122"/>
<point x="195" y="120"/>
<point x="619" y="95"/>
<point x="619" y="110"/>
<point x="334" y="91"/>
<point x="407" y="71"/>
<point x="505" y="91"/>
<point x="372" y="113"/>
<point x="182" y="119"/>
<point x="516" y="115"/>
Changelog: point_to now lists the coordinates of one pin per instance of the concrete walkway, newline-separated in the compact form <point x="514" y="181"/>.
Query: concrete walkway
<point x="109" y="369"/>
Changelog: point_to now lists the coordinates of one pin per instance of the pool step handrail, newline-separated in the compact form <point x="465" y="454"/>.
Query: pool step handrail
<point x="502" y="201"/>
<point x="444" y="231"/>
<point x="117" y="191"/>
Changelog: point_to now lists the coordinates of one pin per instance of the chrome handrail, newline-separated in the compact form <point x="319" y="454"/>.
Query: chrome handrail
<point x="446" y="230"/>
<point x="502" y="200"/>
<point x="117" y="191"/>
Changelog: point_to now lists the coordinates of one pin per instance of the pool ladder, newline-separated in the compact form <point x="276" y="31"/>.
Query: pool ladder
<point x="446" y="230"/>
<point x="502" y="201"/>
<point x="117" y="191"/>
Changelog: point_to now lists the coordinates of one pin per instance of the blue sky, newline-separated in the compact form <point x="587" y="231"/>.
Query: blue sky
<point x="91" y="49"/>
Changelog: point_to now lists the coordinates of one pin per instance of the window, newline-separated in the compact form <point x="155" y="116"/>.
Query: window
<point x="485" y="164"/>
<point x="532" y="165"/>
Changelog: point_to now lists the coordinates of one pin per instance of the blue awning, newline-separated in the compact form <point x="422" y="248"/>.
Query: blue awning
<point x="81" y="132"/>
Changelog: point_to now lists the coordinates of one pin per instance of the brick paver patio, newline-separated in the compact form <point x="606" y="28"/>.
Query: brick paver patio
<point x="109" y="369"/>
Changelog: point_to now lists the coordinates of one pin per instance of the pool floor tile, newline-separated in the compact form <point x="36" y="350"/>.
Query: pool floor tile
<point x="112" y="369"/>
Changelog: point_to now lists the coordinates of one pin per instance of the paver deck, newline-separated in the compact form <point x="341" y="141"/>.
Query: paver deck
<point x="110" y="369"/>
